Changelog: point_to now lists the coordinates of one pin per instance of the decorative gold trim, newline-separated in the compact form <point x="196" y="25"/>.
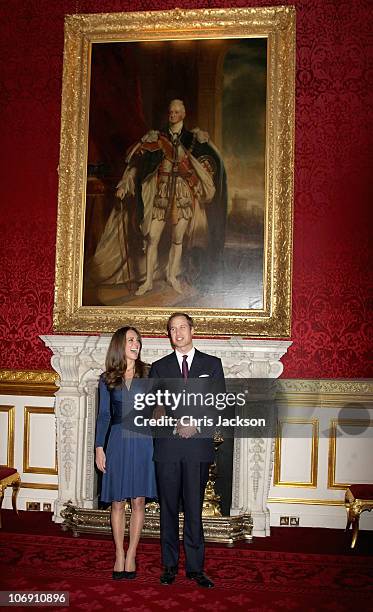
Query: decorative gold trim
<point x="222" y="529"/>
<point x="332" y="455"/>
<point x="28" y="382"/>
<point x="306" y="502"/>
<point x="39" y="485"/>
<point x="277" y="24"/>
<point x="333" y="449"/>
<point x="10" y="410"/>
<point x="27" y="469"/>
<point x="293" y="392"/>
<point x="299" y="393"/>
<point x="314" y="453"/>
<point x="10" y="480"/>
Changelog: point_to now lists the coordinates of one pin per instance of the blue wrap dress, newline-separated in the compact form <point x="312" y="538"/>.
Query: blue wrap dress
<point x="129" y="452"/>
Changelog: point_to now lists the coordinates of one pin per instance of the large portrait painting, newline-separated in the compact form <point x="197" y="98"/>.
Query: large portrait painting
<point x="176" y="171"/>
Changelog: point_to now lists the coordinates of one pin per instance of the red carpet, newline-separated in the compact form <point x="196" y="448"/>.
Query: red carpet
<point x="246" y="579"/>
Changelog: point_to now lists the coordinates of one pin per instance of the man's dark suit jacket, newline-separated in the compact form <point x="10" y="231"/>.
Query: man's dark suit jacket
<point x="199" y="448"/>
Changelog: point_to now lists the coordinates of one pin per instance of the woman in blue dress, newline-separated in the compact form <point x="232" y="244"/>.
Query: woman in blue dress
<point x="127" y="464"/>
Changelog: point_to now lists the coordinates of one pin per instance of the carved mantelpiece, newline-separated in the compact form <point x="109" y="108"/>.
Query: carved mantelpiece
<point x="79" y="360"/>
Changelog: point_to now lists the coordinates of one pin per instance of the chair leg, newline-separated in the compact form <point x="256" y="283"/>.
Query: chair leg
<point x="349" y="518"/>
<point x="16" y="487"/>
<point x="355" y="530"/>
<point x="1" y="500"/>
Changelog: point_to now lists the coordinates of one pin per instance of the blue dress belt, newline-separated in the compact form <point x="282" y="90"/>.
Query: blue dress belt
<point x="116" y="420"/>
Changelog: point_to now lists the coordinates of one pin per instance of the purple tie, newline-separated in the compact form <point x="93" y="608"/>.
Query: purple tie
<point x="184" y="368"/>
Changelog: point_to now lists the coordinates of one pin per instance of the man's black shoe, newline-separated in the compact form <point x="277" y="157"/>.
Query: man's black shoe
<point x="169" y="574"/>
<point x="201" y="579"/>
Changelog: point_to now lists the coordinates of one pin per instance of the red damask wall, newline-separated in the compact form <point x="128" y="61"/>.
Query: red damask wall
<point x="332" y="324"/>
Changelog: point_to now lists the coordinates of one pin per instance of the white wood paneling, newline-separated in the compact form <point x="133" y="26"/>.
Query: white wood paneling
<point x="349" y="461"/>
<point x="6" y="414"/>
<point x="40" y="424"/>
<point x="42" y="449"/>
<point x="354" y="454"/>
<point x="297" y="440"/>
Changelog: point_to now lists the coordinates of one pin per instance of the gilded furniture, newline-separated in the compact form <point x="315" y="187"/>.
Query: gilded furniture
<point x="9" y="477"/>
<point x="358" y="497"/>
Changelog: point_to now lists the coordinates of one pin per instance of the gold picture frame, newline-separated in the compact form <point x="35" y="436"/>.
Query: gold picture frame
<point x="85" y="33"/>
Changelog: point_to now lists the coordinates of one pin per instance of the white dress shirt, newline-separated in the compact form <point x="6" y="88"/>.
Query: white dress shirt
<point x="190" y="356"/>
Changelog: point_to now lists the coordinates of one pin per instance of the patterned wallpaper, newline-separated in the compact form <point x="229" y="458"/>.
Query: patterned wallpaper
<point x="332" y="321"/>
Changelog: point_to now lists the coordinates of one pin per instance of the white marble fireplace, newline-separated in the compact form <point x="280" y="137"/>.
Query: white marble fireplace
<point x="79" y="360"/>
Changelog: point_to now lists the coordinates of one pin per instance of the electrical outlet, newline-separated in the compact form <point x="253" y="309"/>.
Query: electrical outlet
<point x="284" y="520"/>
<point x="47" y="507"/>
<point x="32" y="505"/>
<point x="294" y="521"/>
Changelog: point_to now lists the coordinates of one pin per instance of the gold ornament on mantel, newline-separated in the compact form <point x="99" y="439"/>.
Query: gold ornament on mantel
<point x="211" y="503"/>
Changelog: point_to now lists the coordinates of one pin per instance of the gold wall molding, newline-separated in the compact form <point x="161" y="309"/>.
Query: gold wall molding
<point x="306" y="502"/>
<point x="332" y="484"/>
<point x="39" y="485"/>
<point x="314" y="453"/>
<point x="28" y="382"/>
<point x="27" y="469"/>
<point x="10" y="411"/>
<point x="293" y="391"/>
<point x="324" y="393"/>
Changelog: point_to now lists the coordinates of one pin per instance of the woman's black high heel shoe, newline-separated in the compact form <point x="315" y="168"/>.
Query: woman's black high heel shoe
<point x="119" y="575"/>
<point x="129" y="575"/>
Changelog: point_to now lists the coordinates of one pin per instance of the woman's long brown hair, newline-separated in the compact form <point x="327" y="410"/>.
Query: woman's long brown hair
<point x="116" y="362"/>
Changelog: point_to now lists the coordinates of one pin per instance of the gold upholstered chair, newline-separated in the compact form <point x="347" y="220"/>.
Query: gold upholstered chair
<point x="358" y="497"/>
<point x="9" y="477"/>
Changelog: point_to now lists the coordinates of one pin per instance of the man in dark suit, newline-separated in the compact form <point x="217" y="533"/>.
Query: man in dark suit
<point x="182" y="459"/>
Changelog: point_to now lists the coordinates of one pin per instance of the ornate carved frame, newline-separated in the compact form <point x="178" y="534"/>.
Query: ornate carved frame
<point x="277" y="24"/>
